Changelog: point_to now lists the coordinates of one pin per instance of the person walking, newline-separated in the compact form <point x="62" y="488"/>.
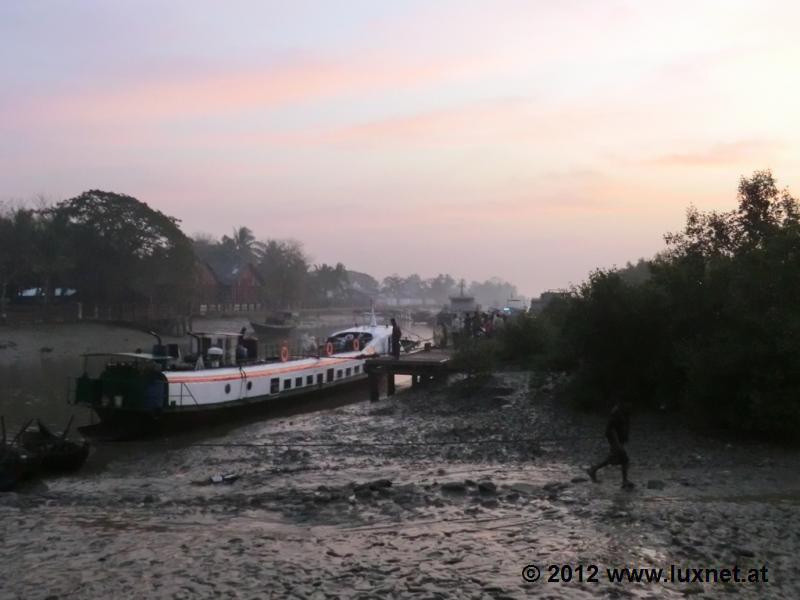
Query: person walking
<point x="617" y="433"/>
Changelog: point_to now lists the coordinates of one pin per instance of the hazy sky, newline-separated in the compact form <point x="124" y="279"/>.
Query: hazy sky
<point x="528" y="140"/>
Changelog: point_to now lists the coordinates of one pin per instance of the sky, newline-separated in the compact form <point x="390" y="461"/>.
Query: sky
<point x="532" y="141"/>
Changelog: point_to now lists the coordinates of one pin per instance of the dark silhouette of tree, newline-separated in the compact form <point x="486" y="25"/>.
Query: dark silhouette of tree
<point x="244" y="245"/>
<point x="713" y="331"/>
<point x="330" y="284"/>
<point x="123" y="248"/>
<point x="284" y="268"/>
<point x="17" y="246"/>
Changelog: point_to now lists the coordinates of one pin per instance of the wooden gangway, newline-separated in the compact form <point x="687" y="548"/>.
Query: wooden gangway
<point x="424" y="366"/>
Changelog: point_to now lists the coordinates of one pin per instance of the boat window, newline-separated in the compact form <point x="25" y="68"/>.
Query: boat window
<point x="274" y="385"/>
<point x="319" y="378"/>
<point x="249" y="385"/>
<point x="330" y="375"/>
<point x="347" y="372"/>
<point x="227" y="388"/>
<point x="287" y="384"/>
<point x="343" y="342"/>
<point x="356" y="370"/>
<point x="309" y="380"/>
<point x="338" y="374"/>
<point x="298" y="382"/>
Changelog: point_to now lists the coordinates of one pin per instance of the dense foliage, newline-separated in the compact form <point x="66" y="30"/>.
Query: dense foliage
<point x="112" y="249"/>
<point x="713" y="331"/>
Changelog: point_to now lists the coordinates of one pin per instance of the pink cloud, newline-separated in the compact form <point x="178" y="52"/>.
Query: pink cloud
<point x="500" y="120"/>
<point x="228" y="91"/>
<point x="723" y="154"/>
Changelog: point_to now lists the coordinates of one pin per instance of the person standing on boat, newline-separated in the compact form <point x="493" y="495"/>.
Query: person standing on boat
<point x="241" y="349"/>
<point x="396" y="334"/>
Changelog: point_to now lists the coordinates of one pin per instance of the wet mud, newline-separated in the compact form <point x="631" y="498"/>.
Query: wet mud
<point x="435" y="493"/>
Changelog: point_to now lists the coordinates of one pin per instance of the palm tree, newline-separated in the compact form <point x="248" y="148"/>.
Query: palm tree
<point x="244" y="245"/>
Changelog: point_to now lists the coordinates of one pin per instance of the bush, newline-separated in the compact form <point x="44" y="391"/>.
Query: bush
<point x="475" y="356"/>
<point x="713" y="330"/>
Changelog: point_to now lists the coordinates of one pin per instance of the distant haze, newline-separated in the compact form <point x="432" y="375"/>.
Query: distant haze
<point x="532" y="141"/>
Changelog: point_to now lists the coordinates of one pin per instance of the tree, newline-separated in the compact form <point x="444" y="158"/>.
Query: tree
<point x="393" y="286"/>
<point x="53" y="255"/>
<point x="244" y="245"/>
<point x="124" y="248"/>
<point x="17" y="245"/>
<point x="413" y="286"/>
<point x="714" y="330"/>
<point x="492" y="292"/>
<point x="441" y="287"/>
<point x="284" y="268"/>
<point x="763" y="211"/>
<point x="330" y="284"/>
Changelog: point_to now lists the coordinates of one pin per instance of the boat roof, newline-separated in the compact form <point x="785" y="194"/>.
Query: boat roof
<point x="214" y="333"/>
<point x="137" y="355"/>
<point x="360" y="329"/>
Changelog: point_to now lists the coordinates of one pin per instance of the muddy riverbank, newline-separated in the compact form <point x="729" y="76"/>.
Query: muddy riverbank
<point x="441" y="493"/>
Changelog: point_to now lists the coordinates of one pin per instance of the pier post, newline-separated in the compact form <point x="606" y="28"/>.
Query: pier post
<point x="390" y="383"/>
<point x="374" y="386"/>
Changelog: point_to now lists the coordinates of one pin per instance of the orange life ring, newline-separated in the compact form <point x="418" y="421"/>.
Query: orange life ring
<point x="356" y="344"/>
<point x="284" y="353"/>
<point x="329" y="348"/>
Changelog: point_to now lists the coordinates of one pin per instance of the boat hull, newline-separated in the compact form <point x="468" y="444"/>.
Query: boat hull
<point x="133" y="424"/>
<point x="139" y="394"/>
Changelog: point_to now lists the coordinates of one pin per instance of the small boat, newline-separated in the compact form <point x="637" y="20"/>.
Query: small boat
<point x="56" y="453"/>
<point x="16" y="463"/>
<point x="221" y="376"/>
<point x="279" y="324"/>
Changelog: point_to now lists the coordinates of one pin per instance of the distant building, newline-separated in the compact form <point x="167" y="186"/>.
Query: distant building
<point x="206" y="284"/>
<point x="463" y="304"/>
<point x="228" y="282"/>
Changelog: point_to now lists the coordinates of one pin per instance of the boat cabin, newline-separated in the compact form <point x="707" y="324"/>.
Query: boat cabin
<point x="221" y="349"/>
<point x="463" y="304"/>
<point x="349" y="341"/>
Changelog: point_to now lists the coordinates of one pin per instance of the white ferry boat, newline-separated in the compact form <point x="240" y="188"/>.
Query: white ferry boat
<point x="137" y="393"/>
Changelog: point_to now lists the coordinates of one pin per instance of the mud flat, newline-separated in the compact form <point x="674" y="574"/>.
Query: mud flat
<point x="443" y="493"/>
<point x="32" y="343"/>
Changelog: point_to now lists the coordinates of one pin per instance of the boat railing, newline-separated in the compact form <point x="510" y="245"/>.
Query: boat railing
<point x="272" y="352"/>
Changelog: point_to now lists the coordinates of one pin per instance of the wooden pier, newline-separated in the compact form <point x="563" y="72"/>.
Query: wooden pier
<point x="424" y="366"/>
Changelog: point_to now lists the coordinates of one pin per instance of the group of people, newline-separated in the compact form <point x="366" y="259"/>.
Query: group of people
<point x="468" y="325"/>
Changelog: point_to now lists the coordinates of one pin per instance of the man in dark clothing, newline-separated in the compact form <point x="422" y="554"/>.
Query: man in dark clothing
<point x="477" y="323"/>
<point x="617" y="432"/>
<point x="396" y="333"/>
